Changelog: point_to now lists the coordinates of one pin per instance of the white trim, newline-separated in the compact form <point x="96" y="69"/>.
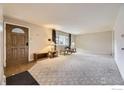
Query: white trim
<point x="6" y="22"/>
<point x="5" y="39"/>
<point x="1" y="54"/>
<point x="4" y="58"/>
<point x="113" y="43"/>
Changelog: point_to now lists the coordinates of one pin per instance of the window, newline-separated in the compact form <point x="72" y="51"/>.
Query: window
<point x="17" y="30"/>
<point x="62" y="40"/>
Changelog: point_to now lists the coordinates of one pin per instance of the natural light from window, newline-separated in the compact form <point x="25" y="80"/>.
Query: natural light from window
<point x="62" y="40"/>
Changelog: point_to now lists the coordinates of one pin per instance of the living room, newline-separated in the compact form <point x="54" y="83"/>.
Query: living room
<point x="64" y="42"/>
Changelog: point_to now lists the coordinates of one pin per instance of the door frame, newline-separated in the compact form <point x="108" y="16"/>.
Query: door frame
<point x="12" y="23"/>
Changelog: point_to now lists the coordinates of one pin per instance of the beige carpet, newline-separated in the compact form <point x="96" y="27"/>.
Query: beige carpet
<point x="77" y="69"/>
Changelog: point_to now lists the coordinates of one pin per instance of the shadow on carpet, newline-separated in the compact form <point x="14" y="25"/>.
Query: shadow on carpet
<point x="24" y="78"/>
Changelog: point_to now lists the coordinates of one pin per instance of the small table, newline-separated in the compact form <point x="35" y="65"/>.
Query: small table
<point x="65" y="52"/>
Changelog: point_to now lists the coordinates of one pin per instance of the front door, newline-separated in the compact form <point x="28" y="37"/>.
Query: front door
<point x="16" y="45"/>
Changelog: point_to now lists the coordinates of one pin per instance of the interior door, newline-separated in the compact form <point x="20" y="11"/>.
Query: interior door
<point x="16" y="45"/>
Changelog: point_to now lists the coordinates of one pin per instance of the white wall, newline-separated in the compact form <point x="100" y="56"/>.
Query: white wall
<point x="1" y="47"/>
<point x="38" y="36"/>
<point x="99" y="42"/>
<point x="119" y="40"/>
<point x="73" y="38"/>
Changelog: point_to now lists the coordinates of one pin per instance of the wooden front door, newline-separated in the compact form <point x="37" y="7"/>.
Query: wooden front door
<point x="16" y="45"/>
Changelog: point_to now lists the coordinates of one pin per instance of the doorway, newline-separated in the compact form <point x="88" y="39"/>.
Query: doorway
<point x="16" y="45"/>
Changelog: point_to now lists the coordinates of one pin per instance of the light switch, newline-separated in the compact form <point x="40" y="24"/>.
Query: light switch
<point x="122" y="35"/>
<point x="122" y="48"/>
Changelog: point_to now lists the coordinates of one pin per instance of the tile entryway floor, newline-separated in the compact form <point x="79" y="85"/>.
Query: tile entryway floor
<point x="9" y="71"/>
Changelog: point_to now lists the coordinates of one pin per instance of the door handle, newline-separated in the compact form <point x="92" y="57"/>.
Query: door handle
<point x="27" y="44"/>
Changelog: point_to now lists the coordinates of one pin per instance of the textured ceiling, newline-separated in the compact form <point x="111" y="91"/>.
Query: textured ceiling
<point x="73" y="18"/>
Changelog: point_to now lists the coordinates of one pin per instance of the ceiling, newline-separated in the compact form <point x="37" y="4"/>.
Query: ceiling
<point x="73" y="18"/>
